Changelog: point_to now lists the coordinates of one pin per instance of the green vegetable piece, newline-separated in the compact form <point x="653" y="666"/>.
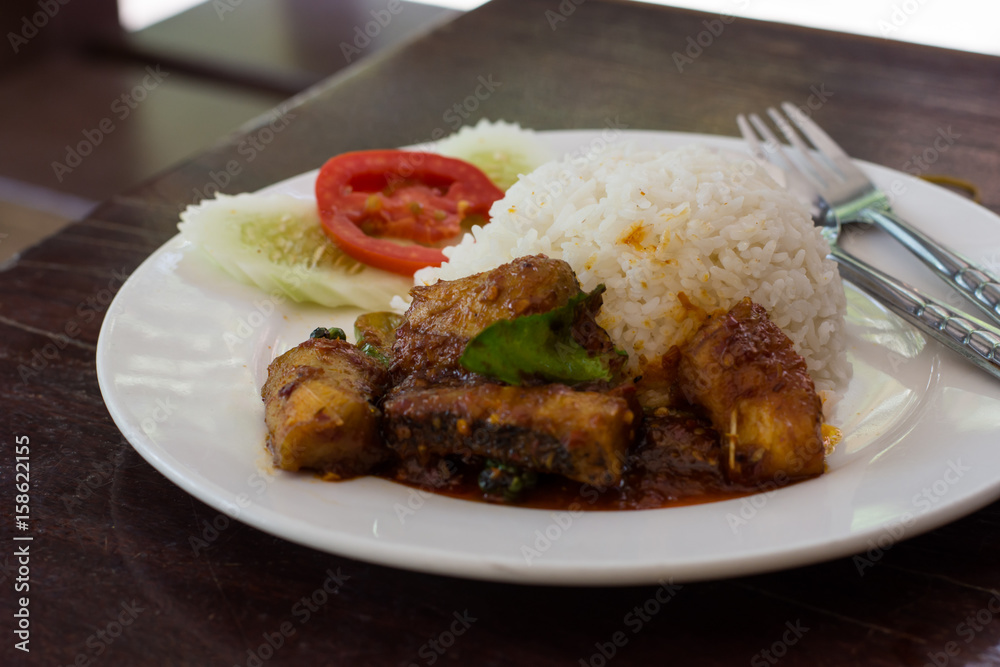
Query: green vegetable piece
<point x="276" y="242"/>
<point x="377" y="328"/>
<point x="506" y="480"/>
<point x="501" y="150"/>
<point x="375" y="333"/>
<point x="375" y="353"/>
<point x="538" y="346"/>
<point x="332" y="334"/>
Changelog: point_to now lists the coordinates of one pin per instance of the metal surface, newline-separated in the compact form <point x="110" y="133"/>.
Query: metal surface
<point x="974" y="339"/>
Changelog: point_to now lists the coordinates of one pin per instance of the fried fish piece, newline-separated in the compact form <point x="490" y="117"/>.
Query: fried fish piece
<point x="678" y="456"/>
<point x="320" y="408"/>
<point x="745" y="372"/>
<point x="582" y="435"/>
<point x="443" y="317"/>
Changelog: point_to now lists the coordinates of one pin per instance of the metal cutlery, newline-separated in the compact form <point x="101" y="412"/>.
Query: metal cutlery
<point x="974" y="339"/>
<point x="853" y="198"/>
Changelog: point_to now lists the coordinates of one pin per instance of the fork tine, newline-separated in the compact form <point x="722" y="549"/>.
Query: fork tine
<point x="790" y="174"/>
<point x="824" y="173"/>
<point x="758" y="153"/>
<point x="820" y="139"/>
<point x="771" y="143"/>
<point x="751" y="138"/>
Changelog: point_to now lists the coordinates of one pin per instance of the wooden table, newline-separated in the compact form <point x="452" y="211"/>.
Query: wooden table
<point x="114" y="579"/>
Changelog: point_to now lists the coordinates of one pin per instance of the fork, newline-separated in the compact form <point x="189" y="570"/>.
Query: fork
<point x="853" y="198"/>
<point x="974" y="339"/>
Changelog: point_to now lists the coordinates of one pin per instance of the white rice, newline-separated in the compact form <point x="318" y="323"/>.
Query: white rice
<point x="650" y="225"/>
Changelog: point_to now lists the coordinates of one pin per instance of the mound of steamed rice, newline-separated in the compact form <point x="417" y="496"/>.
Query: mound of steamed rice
<point x="650" y="225"/>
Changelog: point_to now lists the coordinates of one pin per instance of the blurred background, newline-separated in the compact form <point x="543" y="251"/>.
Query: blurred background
<point x="99" y="95"/>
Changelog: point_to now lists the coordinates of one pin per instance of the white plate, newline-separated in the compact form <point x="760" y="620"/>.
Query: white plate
<point x="184" y="350"/>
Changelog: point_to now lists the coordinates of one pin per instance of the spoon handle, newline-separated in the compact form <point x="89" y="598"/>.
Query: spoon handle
<point x="971" y="281"/>
<point x="974" y="339"/>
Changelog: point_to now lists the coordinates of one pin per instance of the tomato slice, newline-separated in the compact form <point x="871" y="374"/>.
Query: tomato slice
<point x="420" y="197"/>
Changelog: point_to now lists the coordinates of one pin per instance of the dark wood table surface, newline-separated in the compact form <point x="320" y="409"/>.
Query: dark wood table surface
<point x="113" y="576"/>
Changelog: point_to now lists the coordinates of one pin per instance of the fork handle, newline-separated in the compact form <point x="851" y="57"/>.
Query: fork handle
<point x="971" y="281"/>
<point x="974" y="339"/>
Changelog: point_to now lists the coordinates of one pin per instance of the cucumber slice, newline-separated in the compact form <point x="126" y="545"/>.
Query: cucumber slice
<point x="501" y="150"/>
<point x="276" y="243"/>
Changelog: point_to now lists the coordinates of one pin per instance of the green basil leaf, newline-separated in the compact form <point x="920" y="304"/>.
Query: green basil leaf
<point x="538" y="346"/>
